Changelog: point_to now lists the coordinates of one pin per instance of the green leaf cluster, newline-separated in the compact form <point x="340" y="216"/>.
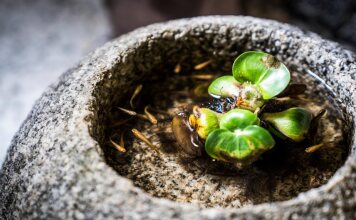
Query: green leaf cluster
<point x="236" y="136"/>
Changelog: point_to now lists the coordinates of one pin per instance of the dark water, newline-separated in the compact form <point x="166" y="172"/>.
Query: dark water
<point x="279" y="174"/>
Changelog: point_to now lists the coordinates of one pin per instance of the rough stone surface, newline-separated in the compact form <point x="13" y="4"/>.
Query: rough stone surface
<point x="56" y="168"/>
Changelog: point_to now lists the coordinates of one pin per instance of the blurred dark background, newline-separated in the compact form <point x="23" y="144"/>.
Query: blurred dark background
<point x="40" y="39"/>
<point x="334" y="19"/>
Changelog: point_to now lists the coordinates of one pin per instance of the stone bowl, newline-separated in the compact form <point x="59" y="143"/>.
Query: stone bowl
<point x="57" y="168"/>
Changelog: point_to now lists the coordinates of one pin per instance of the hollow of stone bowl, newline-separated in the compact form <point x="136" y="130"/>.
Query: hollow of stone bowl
<point x="57" y="165"/>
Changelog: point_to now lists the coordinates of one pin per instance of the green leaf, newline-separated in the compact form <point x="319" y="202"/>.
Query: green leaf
<point x="204" y="121"/>
<point x="239" y="140"/>
<point x="238" y="119"/>
<point x="224" y="86"/>
<point x="263" y="70"/>
<point x="294" y="123"/>
<point x="247" y="96"/>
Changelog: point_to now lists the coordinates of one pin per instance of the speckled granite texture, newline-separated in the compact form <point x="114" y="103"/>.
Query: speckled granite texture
<point x="56" y="169"/>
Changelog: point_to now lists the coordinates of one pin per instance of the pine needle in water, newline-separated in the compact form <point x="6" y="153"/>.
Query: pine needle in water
<point x="133" y="113"/>
<point x="177" y="68"/>
<point x="202" y="65"/>
<point x="140" y="136"/>
<point x="203" y="77"/>
<point x="122" y="142"/>
<point x="129" y="112"/>
<point x="313" y="148"/>
<point x="136" y="92"/>
<point x="117" y="146"/>
<point x="150" y="117"/>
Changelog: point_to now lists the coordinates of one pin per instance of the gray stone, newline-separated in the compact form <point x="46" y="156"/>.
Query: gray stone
<point x="56" y="167"/>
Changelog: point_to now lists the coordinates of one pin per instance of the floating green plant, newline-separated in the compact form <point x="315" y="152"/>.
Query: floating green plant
<point x="239" y="140"/>
<point x="257" y="77"/>
<point x="293" y="123"/>
<point x="235" y="134"/>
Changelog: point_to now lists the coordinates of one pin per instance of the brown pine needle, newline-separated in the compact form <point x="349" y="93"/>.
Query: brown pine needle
<point x="177" y="68"/>
<point x="140" y="136"/>
<point x="133" y="113"/>
<point x="122" y="142"/>
<point x="129" y="112"/>
<point x="202" y="65"/>
<point x="118" y="147"/>
<point x="313" y="148"/>
<point x="203" y="77"/>
<point x="150" y="117"/>
<point x="136" y="92"/>
<point x="142" y="116"/>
